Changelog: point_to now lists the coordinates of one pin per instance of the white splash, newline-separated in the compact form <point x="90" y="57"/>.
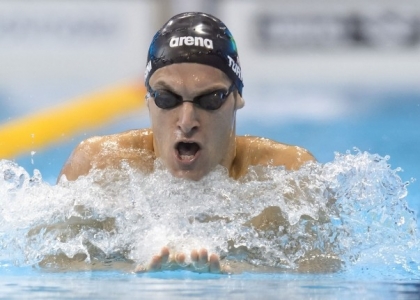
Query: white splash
<point x="345" y="208"/>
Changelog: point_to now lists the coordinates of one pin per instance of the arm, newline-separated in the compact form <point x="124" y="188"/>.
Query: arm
<point x="254" y="151"/>
<point x="134" y="147"/>
<point x="269" y="152"/>
<point x="80" y="161"/>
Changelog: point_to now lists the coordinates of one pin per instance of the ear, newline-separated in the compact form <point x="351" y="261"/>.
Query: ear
<point x="239" y="101"/>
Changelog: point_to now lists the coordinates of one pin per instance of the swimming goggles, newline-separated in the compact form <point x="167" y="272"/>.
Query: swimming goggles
<point x="211" y="101"/>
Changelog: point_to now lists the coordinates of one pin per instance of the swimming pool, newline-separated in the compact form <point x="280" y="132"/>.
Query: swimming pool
<point x="112" y="285"/>
<point x="382" y="264"/>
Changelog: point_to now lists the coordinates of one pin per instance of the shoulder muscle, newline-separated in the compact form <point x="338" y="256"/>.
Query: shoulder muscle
<point x="263" y="151"/>
<point x="108" y="151"/>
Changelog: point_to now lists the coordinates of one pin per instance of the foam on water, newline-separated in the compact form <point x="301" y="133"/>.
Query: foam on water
<point x="352" y="208"/>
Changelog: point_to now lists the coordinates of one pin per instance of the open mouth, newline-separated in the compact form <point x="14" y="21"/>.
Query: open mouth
<point x="187" y="151"/>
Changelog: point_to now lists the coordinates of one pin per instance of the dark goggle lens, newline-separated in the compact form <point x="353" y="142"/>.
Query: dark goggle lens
<point x="166" y="100"/>
<point x="212" y="101"/>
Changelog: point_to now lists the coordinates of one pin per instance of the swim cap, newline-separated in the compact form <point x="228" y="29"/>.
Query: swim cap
<point x="195" y="38"/>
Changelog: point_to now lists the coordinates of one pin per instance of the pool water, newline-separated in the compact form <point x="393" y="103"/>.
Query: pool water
<point x="373" y="223"/>
<point x="184" y="285"/>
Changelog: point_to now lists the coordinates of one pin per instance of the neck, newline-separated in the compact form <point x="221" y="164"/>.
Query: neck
<point x="228" y="161"/>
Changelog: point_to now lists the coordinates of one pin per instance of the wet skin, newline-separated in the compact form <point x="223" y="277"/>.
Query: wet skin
<point x="189" y="141"/>
<point x="200" y="262"/>
<point x="188" y="138"/>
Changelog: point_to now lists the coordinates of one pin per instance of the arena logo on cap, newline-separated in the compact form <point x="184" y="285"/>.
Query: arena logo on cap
<point x="190" y="41"/>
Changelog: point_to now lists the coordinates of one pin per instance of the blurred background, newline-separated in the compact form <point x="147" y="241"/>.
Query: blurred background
<point x="326" y="75"/>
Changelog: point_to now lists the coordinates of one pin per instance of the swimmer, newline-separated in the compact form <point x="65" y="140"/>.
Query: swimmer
<point x="194" y="88"/>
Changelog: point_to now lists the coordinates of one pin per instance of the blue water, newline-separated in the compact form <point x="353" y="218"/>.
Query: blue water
<point x="383" y="122"/>
<point x="184" y="285"/>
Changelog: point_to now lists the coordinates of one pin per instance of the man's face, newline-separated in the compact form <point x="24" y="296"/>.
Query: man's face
<point x="188" y="139"/>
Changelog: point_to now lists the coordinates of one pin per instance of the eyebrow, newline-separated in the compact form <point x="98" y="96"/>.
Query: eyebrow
<point x="162" y="85"/>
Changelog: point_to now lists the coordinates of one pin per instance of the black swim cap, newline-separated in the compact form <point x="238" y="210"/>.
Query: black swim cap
<point x="196" y="38"/>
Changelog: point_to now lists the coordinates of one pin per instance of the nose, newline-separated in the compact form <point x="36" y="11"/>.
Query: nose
<point x="188" y="118"/>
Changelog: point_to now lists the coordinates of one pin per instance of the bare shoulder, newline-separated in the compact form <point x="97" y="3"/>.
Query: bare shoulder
<point x="134" y="146"/>
<point x="251" y="151"/>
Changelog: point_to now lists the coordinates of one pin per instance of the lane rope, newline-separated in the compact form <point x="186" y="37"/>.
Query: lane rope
<point x="30" y="133"/>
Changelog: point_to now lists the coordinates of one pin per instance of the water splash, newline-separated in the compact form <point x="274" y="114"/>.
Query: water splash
<point x="352" y="210"/>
